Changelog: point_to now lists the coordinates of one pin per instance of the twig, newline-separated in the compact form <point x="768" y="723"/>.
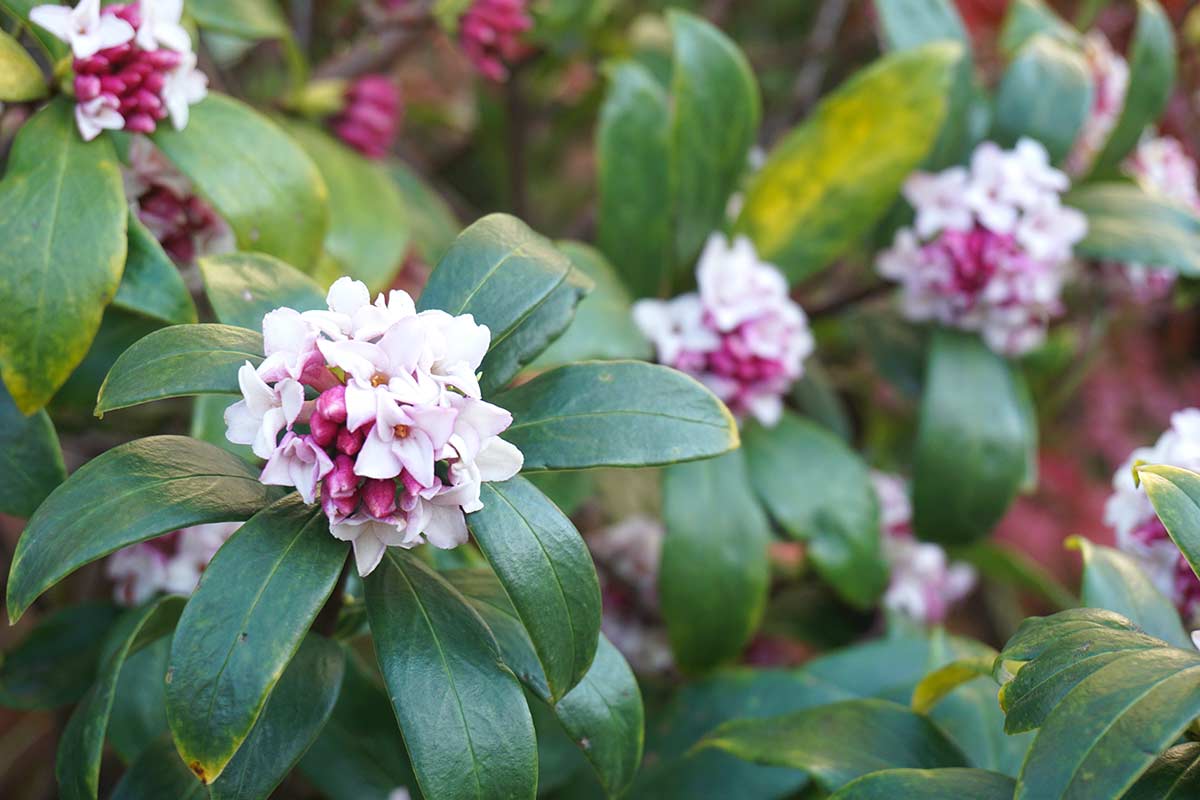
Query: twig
<point x="376" y="50"/>
<point x="861" y="295"/>
<point x="818" y="47"/>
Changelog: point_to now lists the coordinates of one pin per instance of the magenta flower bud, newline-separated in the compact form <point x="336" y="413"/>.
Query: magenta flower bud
<point x="350" y="442"/>
<point x="147" y="101"/>
<point x="342" y="506"/>
<point x="140" y="123"/>
<point x="162" y="59"/>
<point x="332" y="404"/>
<point x="154" y="82"/>
<point x="371" y="116"/>
<point x="379" y="496"/>
<point x="342" y="480"/>
<point x="111" y="84"/>
<point x="87" y="87"/>
<point x="324" y="431"/>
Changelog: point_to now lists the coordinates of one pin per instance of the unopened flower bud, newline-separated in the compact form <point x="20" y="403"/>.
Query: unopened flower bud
<point x="332" y="404"/>
<point x="350" y="442"/>
<point x="324" y="430"/>
<point x="379" y="496"/>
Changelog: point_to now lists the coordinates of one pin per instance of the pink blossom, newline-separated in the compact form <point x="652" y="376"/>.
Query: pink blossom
<point x="298" y="462"/>
<point x="371" y="116"/>
<point x="490" y="34"/>
<point x="1110" y="82"/>
<point x="171" y="563"/>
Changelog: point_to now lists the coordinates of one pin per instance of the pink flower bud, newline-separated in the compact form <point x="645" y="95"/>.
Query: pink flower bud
<point x="87" y="87"/>
<point x="379" y="496"/>
<point x="342" y="480"/>
<point x="111" y="84"/>
<point x="350" y="442"/>
<point x="332" y="404"/>
<point x="324" y="430"/>
<point x="140" y="122"/>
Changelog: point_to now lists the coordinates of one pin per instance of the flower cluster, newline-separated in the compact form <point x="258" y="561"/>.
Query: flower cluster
<point x="490" y="34"/>
<point x="171" y="563"/>
<point x="370" y="116"/>
<point x="397" y="440"/>
<point x="1110" y="79"/>
<point x="165" y="202"/>
<point x="1162" y="167"/>
<point x="924" y="583"/>
<point x="990" y="247"/>
<point x="133" y="63"/>
<point x="1139" y="531"/>
<point x="741" y="334"/>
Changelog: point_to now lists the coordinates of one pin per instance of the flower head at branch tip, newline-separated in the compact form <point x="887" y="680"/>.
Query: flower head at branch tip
<point x="1110" y="81"/>
<point x="393" y="438"/>
<point x="990" y="247"/>
<point x="370" y="116"/>
<point x="489" y="32"/>
<point x="741" y="334"/>
<point x="171" y="563"/>
<point x="133" y="63"/>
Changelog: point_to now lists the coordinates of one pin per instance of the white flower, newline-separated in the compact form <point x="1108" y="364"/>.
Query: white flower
<point x="734" y="284"/>
<point x="370" y="538"/>
<point x="675" y="326"/>
<point x="184" y="87"/>
<point x="263" y="411"/>
<point x="84" y="28"/>
<point x="457" y="346"/>
<point x="139" y="572"/>
<point x="297" y="462"/>
<point x="160" y="25"/>
<point x="1048" y="231"/>
<point x="939" y="200"/>
<point x="405" y="437"/>
<point x="98" y="114"/>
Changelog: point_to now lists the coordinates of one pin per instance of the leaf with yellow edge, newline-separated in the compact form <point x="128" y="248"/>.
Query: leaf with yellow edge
<point x="941" y="682"/>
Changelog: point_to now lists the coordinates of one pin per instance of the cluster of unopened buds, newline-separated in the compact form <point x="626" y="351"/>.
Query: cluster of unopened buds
<point x="167" y="204"/>
<point x="1110" y="82"/>
<point x="133" y="63"/>
<point x="169" y="564"/>
<point x="395" y="441"/>
<point x="924" y="582"/>
<point x="1139" y="531"/>
<point x="990" y="248"/>
<point x="489" y="32"/>
<point x="370" y="115"/>
<point x="741" y="335"/>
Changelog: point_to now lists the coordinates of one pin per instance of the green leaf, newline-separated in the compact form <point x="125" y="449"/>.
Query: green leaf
<point x="1152" y="65"/>
<point x="242" y="626"/>
<point x="839" y="742"/>
<point x="30" y="458"/>
<point x="929" y="784"/>
<point x="294" y="714"/>
<point x="944" y="680"/>
<point x="907" y="24"/>
<point x="130" y="493"/>
<point x="512" y="280"/>
<point x="634" y="222"/>
<point x="819" y="491"/>
<point x="603" y="327"/>
<point x="1174" y="776"/>
<point x="1175" y="494"/>
<point x="1008" y="566"/>
<point x="368" y="224"/>
<point x="151" y="284"/>
<point x="615" y="414"/>
<point x="465" y="721"/>
<point x="829" y="181"/>
<point x="359" y="754"/>
<point x="433" y="222"/>
<point x="817" y="398"/>
<point x="54" y="47"/>
<point x="139" y="712"/>
<point x="179" y="361"/>
<point x="246" y="19"/>
<point x="55" y="663"/>
<point x="21" y="78"/>
<point x="63" y="230"/>
<point x="568" y="490"/>
<point x="257" y="177"/>
<point x="159" y="773"/>
<point x="1028" y="18"/>
<point x="715" y="115"/>
<point x="81" y="745"/>
<point x="1046" y="94"/>
<point x="1113" y="580"/>
<point x="714" y="574"/>
<point x="547" y="572"/>
<point x="1127" y="225"/>
<point x="971" y="441"/>
<point x="243" y="287"/>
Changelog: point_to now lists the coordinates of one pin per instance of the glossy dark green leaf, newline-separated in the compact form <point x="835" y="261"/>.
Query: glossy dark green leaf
<point x="714" y="574"/>
<point x="1127" y="225"/>
<point x="133" y="492"/>
<point x="1174" y="776"/>
<point x="139" y="711"/>
<point x="19" y="9"/>
<point x="818" y="490"/>
<point x="63" y="229"/>
<point x="119" y="330"/>
<point x="21" y="78"/>
<point x="634" y="225"/>
<point x="294" y="715"/>
<point x="81" y="745"/>
<point x="1113" y="580"/>
<point x="971" y="440"/>
<point x="1175" y="494"/>
<point x="259" y="180"/>
<point x="465" y="721"/>
<point x="158" y="773"/>
<point x="55" y="663"/>
<point x="359" y="754"/>
<point x="30" y="458"/>
<point x="179" y="361"/>
<point x="547" y="571"/>
<point x="246" y="19"/>
<point x="242" y="626"/>
<point x="512" y="280"/>
<point x="1028" y="18"/>
<point x="615" y="414"/>
<point x="368" y="232"/>
<point x="603" y="326"/>
<point x="243" y="287"/>
<point x="1152" y="64"/>
<point x="715" y="114"/>
<point x="151" y="284"/>
<point x="906" y="24"/>
<point x="817" y="398"/>
<point x="568" y="490"/>
<point x="929" y="784"/>
<point x="839" y="742"/>
<point x="829" y="181"/>
<point x="434" y="224"/>
<point x="1045" y="94"/>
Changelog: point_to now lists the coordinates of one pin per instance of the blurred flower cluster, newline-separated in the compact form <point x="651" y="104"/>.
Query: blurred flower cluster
<point x="170" y="564"/>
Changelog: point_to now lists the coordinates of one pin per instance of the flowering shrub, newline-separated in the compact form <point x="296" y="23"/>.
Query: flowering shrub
<point x="769" y="362"/>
